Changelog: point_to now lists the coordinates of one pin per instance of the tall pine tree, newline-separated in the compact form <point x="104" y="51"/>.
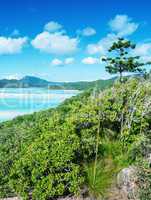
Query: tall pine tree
<point x="122" y="59"/>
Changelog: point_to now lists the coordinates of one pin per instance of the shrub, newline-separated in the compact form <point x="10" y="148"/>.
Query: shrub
<point x="144" y="181"/>
<point x="47" y="169"/>
<point x="105" y="173"/>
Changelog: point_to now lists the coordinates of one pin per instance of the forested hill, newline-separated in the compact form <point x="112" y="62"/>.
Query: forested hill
<point x="84" y="85"/>
<point x="27" y="81"/>
<point x="81" y="146"/>
<point x="30" y="81"/>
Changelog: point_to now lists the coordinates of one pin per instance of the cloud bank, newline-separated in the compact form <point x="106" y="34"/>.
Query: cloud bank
<point x="59" y="62"/>
<point x="52" y="26"/>
<point x="90" y="61"/>
<point x="123" y="25"/>
<point x="12" y="45"/>
<point x="55" y="43"/>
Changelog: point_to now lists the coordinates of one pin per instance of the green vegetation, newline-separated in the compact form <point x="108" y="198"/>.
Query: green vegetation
<point x="122" y="60"/>
<point x="145" y="181"/>
<point x="84" y="85"/>
<point x="82" y="143"/>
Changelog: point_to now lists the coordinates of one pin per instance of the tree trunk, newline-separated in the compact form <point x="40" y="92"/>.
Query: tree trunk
<point x="96" y="149"/>
<point x="121" y="77"/>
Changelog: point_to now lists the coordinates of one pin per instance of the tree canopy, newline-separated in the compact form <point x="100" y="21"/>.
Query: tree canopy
<point x="121" y="59"/>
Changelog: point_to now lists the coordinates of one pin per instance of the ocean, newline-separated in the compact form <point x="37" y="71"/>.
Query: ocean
<point x="19" y="101"/>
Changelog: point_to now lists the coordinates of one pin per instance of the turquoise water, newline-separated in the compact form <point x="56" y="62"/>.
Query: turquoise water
<point x="20" y="101"/>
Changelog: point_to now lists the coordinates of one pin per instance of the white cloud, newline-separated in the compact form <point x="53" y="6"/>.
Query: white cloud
<point x="144" y="51"/>
<point x="15" y="32"/>
<point x="55" y="43"/>
<point x="95" y="48"/>
<point x="52" y="26"/>
<point x="90" y="61"/>
<point x="57" y="62"/>
<point x="13" y="76"/>
<point x="69" y="61"/>
<point x="123" y="25"/>
<point x="120" y="26"/>
<point x="88" y="31"/>
<point x="11" y="45"/>
<point x="102" y="46"/>
<point x="146" y="58"/>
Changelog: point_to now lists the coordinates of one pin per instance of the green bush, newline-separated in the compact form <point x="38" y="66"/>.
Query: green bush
<point x="54" y="153"/>
<point x="144" y="175"/>
<point x="48" y="169"/>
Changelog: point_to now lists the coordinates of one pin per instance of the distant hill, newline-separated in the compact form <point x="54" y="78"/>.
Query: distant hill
<point x="31" y="81"/>
<point x="84" y="85"/>
<point x="25" y="82"/>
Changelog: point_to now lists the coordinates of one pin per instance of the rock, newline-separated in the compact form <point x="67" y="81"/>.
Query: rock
<point x="127" y="181"/>
<point x="126" y="185"/>
<point x="115" y="194"/>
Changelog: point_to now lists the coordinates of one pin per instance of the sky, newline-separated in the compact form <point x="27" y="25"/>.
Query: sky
<point x="63" y="40"/>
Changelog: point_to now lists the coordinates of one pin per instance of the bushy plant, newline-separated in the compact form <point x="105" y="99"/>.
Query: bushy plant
<point x="144" y="175"/>
<point x="105" y="176"/>
<point x="48" y="169"/>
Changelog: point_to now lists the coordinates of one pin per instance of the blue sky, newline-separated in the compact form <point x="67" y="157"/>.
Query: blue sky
<point x="63" y="40"/>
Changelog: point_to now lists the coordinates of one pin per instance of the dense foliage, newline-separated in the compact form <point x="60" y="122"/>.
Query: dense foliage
<point x="122" y="60"/>
<point x="83" y="142"/>
<point x="84" y="85"/>
<point x="145" y="181"/>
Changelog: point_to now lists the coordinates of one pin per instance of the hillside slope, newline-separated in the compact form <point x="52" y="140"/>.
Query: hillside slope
<point x="80" y="146"/>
